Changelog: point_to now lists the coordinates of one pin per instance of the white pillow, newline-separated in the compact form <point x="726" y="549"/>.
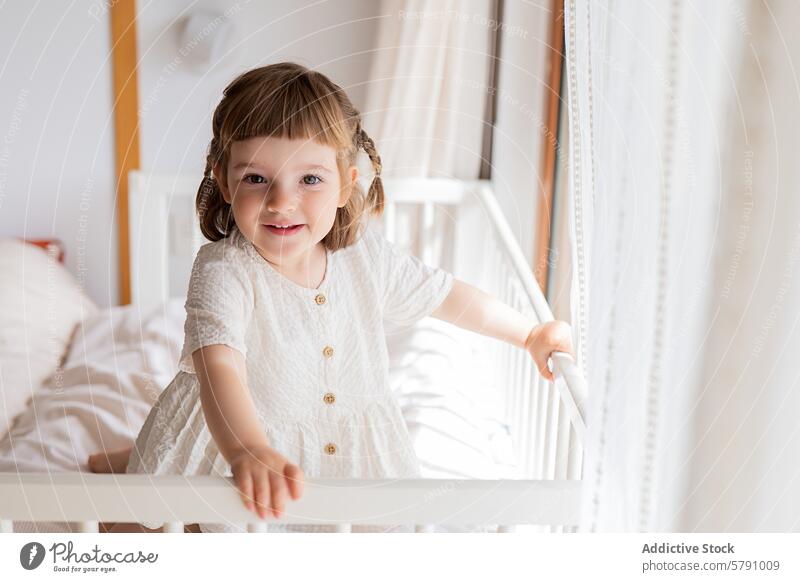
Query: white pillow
<point x="40" y="304"/>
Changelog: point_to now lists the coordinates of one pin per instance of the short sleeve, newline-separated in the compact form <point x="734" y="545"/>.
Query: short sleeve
<point x="219" y="302"/>
<point x="411" y="289"/>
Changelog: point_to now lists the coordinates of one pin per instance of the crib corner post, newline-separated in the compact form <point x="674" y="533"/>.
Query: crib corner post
<point x="6" y="526"/>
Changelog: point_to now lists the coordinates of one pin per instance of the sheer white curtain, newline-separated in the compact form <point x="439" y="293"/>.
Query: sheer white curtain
<point x="426" y="104"/>
<point x="649" y="90"/>
<point x="428" y="87"/>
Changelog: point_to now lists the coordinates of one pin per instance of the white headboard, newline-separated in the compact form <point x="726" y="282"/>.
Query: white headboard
<point x="439" y="220"/>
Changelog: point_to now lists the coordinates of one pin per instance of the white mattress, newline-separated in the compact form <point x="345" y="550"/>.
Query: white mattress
<point x="121" y="359"/>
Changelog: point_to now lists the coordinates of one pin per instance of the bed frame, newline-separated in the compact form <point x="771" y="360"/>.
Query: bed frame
<point x="454" y="224"/>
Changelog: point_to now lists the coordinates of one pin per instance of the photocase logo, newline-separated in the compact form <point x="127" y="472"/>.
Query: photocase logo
<point x="31" y="555"/>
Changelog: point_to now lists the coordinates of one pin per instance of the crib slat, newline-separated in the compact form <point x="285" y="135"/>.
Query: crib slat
<point x="173" y="527"/>
<point x="562" y="445"/>
<point x="428" y="216"/>
<point x="553" y="436"/>
<point x="390" y="218"/>
<point x="88" y="527"/>
<point x="541" y="425"/>
<point x="6" y="526"/>
<point x="527" y="434"/>
<point x="537" y="406"/>
<point x="575" y="453"/>
<point x="523" y="357"/>
<point x="533" y="387"/>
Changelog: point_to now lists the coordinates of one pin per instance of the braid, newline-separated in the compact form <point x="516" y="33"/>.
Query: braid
<point x="216" y="218"/>
<point x="375" y="194"/>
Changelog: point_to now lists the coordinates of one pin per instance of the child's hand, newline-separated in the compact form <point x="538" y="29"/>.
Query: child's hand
<point x="264" y="477"/>
<point x="545" y="338"/>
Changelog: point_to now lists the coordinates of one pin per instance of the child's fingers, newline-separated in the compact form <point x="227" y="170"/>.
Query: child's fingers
<point x="261" y="489"/>
<point x="245" y="485"/>
<point x="279" y="492"/>
<point x="541" y="363"/>
<point x="294" y="477"/>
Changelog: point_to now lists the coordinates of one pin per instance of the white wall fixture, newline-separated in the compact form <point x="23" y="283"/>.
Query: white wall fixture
<point x="203" y="38"/>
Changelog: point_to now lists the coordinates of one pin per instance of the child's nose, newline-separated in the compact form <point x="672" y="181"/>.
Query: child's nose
<point x="280" y="200"/>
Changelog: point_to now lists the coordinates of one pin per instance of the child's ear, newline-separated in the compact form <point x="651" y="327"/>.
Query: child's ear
<point x="221" y="183"/>
<point x="347" y="191"/>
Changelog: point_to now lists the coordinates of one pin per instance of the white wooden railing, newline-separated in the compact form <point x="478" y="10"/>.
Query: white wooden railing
<point x="179" y="500"/>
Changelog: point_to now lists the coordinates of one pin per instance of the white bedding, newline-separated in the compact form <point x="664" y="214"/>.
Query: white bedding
<point x="120" y="360"/>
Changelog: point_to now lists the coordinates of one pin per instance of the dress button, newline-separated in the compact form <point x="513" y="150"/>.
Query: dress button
<point x="328" y="351"/>
<point x="329" y="398"/>
<point x="320" y="299"/>
<point x="330" y="448"/>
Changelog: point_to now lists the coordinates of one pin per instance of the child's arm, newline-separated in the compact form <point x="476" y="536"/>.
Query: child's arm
<point x="470" y="308"/>
<point x="260" y="472"/>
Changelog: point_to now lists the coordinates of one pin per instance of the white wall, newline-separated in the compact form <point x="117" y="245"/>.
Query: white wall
<point x="56" y="136"/>
<point x="57" y="173"/>
<point x="176" y="100"/>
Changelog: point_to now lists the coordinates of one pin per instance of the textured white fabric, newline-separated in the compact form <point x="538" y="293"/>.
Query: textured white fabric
<point x="236" y="298"/>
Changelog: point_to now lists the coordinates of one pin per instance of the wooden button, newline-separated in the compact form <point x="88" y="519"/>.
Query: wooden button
<point x="327" y="352"/>
<point x="320" y="299"/>
<point x="329" y="398"/>
<point x="330" y="448"/>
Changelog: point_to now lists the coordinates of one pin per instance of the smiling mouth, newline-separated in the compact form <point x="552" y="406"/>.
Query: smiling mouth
<point x="283" y="231"/>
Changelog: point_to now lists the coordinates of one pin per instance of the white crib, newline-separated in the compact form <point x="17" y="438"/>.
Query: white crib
<point x="454" y="224"/>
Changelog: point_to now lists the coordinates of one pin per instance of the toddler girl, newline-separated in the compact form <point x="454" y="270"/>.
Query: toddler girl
<point x="284" y="368"/>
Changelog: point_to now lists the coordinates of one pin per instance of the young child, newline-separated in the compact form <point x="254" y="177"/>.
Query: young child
<point x="284" y="368"/>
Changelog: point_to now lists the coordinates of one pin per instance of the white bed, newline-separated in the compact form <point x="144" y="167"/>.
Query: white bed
<point x="478" y="414"/>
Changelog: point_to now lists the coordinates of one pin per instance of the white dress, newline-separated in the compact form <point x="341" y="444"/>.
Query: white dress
<point x="317" y="365"/>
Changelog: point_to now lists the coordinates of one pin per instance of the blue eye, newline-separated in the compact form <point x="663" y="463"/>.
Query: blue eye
<point x="260" y="179"/>
<point x="314" y="180"/>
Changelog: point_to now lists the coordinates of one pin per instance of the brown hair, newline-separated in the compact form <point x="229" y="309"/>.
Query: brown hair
<point x="289" y="100"/>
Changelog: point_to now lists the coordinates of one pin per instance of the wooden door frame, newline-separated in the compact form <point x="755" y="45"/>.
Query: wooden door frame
<point x="126" y="125"/>
<point x="555" y="63"/>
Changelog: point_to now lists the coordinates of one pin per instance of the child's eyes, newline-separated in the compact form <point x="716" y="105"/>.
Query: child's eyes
<point x="308" y="179"/>
<point x="311" y="180"/>
<point x="258" y="179"/>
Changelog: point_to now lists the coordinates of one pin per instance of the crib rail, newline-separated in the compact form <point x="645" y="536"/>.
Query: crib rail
<point x="546" y="419"/>
<point x="177" y="499"/>
<point x="573" y="388"/>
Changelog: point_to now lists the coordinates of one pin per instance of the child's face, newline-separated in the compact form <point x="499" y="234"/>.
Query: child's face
<point x="281" y="181"/>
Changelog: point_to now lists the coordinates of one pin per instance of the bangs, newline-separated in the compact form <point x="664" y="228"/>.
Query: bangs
<point x="293" y="107"/>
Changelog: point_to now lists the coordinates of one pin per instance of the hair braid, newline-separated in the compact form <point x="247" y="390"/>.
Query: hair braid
<point x="375" y="194"/>
<point x="216" y="217"/>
